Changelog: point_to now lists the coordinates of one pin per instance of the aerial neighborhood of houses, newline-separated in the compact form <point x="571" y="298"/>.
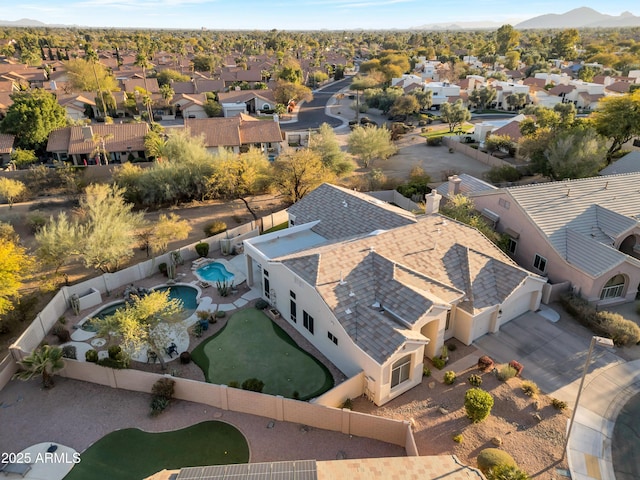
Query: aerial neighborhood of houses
<point x="375" y="282"/>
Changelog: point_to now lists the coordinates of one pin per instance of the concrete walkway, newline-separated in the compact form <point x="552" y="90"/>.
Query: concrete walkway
<point x="554" y="355"/>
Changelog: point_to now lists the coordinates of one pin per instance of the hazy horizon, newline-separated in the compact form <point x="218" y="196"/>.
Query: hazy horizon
<point x="290" y="15"/>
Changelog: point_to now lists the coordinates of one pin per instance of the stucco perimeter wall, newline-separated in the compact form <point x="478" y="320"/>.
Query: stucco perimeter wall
<point x="278" y="408"/>
<point x="476" y="154"/>
<point x="7" y="368"/>
<point x="351" y="388"/>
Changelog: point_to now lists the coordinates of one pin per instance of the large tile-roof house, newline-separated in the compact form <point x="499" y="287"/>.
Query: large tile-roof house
<point x="238" y="133"/>
<point x="6" y="147"/>
<point x="376" y="289"/>
<point x="81" y="144"/>
<point x="582" y="231"/>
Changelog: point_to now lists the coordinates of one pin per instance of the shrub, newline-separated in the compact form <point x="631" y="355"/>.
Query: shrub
<point x="223" y="288"/>
<point x="163" y="268"/>
<point x="202" y="249"/>
<point x="558" y="404"/>
<point x="253" y="385"/>
<point x="158" y="405"/>
<point x="426" y="371"/>
<point x="234" y="384"/>
<point x="475" y="380"/>
<point x="69" y="351"/>
<point x="116" y="363"/>
<point x="91" y="356"/>
<point x="506" y="173"/>
<point x="215" y="228"/>
<point x="492" y="457"/>
<point x="530" y="389"/>
<point x="450" y="377"/>
<point x="62" y="333"/>
<point x="434" y="141"/>
<point x="164" y="388"/>
<point x="506" y="372"/>
<point x="477" y="404"/>
<point x="185" y="357"/>
<point x="261" y="304"/>
<point x="36" y="220"/>
<point x="348" y="403"/>
<point x="506" y="472"/>
<point x="458" y="438"/>
<point x="438" y="363"/>
<point x="114" y="351"/>
<point x="220" y="314"/>
<point x="452" y="347"/>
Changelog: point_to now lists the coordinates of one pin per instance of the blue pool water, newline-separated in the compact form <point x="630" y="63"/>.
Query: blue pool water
<point x="214" y="272"/>
<point x="187" y="294"/>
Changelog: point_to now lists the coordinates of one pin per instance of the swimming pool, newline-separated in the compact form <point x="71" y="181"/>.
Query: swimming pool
<point x="186" y="293"/>
<point x="215" y="272"/>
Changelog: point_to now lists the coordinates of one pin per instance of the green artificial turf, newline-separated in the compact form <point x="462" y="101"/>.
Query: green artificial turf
<point x="134" y="454"/>
<point x="252" y="346"/>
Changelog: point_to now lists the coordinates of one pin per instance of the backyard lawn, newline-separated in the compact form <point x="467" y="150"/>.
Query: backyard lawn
<point x="252" y="346"/>
<point x="133" y="454"/>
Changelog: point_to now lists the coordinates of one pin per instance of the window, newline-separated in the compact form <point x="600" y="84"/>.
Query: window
<point x="332" y="337"/>
<point x="540" y="263"/>
<point x="307" y="321"/>
<point x="504" y="203"/>
<point x="511" y="246"/>
<point x="267" y="286"/>
<point x="293" y="307"/>
<point x="400" y="371"/>
<point x="613" y="288"/>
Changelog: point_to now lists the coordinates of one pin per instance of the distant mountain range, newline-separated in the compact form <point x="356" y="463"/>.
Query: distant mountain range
<point x="583" y="17"/>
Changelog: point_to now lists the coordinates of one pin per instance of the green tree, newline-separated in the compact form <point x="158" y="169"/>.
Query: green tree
<point x="507" y="38"/>
<point x="143" y="323"/>
<point x="291" y="73"/>
<point x="89" y="75"/>
<point x="481" y="97"/>
<point x="45" y="362"/>
<point x="454" y="114"/>
<point x="167" y="93"/>
<point x="461" y="208"/>
<point x="296" y="173"/>
<point x="512" y="60"/>
<point x="370" y="143"/>
<point x="32" y="117"/>
<point x="618" y="119"/>
<point x="477" y="404"/>
<point x="156" y="236"/>
<point x="325" y="143"/>
<point x="15" y="264"/>
<point x="23" y="158"/>
<point x="107" y="227"/>
<point x="284" y="92"/>
<point x="405" y="105"/>
<point x="204" y="63"/>
<point x="424" y="97"/>
<point x="564" y="43"/>
<point x="166" y="76"/>
<point x="361" y="83"/>
<point x="11" y="190"/>
<point x="578" y="153"/>
<point x="143" y="62"/>
<point x="57" y="241"/>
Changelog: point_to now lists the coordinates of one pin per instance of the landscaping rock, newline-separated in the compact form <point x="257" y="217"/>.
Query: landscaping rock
<point x="497" y="441"/>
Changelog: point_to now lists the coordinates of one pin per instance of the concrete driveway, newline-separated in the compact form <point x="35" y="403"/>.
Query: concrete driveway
<point x="553" y="354"/>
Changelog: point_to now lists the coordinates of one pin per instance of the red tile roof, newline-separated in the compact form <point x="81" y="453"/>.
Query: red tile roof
<point x="6" y="143"/>
<point x="235" y="131"/>
<point x="118" y="137"/>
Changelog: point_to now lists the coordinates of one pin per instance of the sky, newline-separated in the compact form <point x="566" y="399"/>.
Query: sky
<point x="292" y="14"/>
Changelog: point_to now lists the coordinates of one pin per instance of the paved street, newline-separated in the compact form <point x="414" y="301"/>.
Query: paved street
<point x="312" y="114"/>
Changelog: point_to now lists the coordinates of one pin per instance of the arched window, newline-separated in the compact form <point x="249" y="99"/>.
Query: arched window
<point x="401" y="371"/>
<point x="613" y="288"/>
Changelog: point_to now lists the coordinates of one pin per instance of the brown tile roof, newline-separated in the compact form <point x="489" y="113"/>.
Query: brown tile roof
<point x="6" y="143"/>
<point x="538" y="82"/>
<point x="233" y="132"/>
<point x="619" y="87"/>
<point x="511" y="129"/>
<point x="130" y="85"/>
<point x="591" y="98"/>
<point x="245" y="96"/>
<point x="560" y="89"/>
<point x="118" y="138"/>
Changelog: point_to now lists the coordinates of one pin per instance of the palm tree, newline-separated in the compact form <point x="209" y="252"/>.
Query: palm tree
<point x="92" y="57"/>
<point x="143" y="62"/>
<point x="45" y="361"/>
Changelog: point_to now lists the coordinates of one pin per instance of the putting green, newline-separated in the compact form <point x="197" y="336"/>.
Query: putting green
<point x="133" y="454"/>
<point x="252" y="346"/>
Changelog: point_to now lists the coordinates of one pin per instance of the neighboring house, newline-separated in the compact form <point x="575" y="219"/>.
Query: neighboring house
<point x="6" y="147"/>
<point x="582" y="231"/>
<point x="246" y="101"/>
<point x="237" y="133"/>
<point x="442" y="92"/>
<point x="80" y="145"/>
<point x="76" y="105"/>
<point x="376" y="288"/>
<point x="189" y="106"/>
<point x="463" y="184"/>
<point x="630" y="163"/>
<point x="509" y="127"/>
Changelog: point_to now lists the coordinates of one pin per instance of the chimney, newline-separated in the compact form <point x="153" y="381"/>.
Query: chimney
<point x="432" y="202"/>
<point x="454" y="185"/>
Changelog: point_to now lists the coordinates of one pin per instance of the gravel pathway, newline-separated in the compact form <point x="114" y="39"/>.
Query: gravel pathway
<point x="77" y="414"/>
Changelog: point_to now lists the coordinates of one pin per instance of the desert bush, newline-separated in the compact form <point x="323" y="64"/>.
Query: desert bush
<point x="162" y="267"/>
<point x="558" y="404"/>
<point x="426" y="371"/>
<point x="234" y="384"/>
<point x="530" y="388"/>
<point x="162" y="393"/>
<point x="62" y="333"/>
<point x="36" y="220"/>
<point x="215" y="228"/>
<point x="202" y="249"/>
<point x="492" y="457"/>
<point x="452" y="347"/>
<point x="69" y="351"/>
<point x="438" y="363"/>
<point x="506" y="173"/>
<point x="506" y="472"/>
<point x="118" y="363"/>
<point x="450" y="377"/>
<point x="507" y="372"/>
<point x="261" y="304"/>
<point x="608" y="324"/>
<point x="158" y="405"/>
<point x="253" y="385"/>
<point x="475" y="380"/>
<point x="458" y="438"/>
<point x="434" y="141"/>
<point x="91" y="356"/>
<point x="348" y="403"/>
<point x="114" y="351"/>
<point x="477" y="404"/>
